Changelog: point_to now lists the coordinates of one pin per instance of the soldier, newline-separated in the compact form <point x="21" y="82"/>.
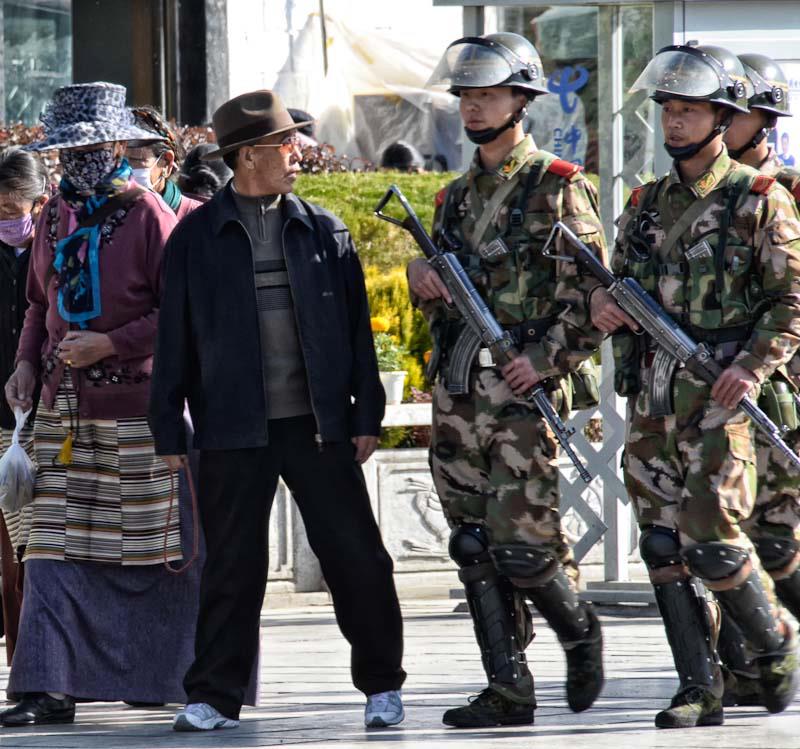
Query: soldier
<point x="718" y="245"/>
<point x="774" y="526"/>
<point x="492" y="456"/>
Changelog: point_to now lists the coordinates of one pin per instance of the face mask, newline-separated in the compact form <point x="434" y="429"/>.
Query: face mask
<point x="16" y="231"/>
<point x="84" y="169"/>
<point x="142" y="176"/>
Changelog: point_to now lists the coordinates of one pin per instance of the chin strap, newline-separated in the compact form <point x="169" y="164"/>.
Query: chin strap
<point x="737" y="153"/>
<point x="488" y="134"/>
<point x="681" y="153"/>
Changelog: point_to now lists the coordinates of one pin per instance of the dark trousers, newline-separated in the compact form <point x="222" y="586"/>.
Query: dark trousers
<point x="235" y="495"/>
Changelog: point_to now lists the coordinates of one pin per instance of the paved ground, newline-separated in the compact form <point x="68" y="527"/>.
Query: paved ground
<point x="307" y="699"/>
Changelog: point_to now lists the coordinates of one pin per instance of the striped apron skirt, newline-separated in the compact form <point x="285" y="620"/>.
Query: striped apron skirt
<point x="110" y="503"/>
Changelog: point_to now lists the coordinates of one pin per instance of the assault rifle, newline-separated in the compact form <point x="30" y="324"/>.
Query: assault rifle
<point x="484" y="329"/>
<point x="675" y="346"/>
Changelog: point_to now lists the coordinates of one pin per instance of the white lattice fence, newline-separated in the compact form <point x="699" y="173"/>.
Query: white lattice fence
<point x="599" y="510"/>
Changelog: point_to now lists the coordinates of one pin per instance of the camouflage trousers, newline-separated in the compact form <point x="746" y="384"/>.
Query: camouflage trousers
<point x="493" y="461"/>
<point x="695" y="470"/>
<point x="777" y="506"/>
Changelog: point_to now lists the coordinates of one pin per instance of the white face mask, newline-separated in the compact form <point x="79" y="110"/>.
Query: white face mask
<point x="142" y="176"/>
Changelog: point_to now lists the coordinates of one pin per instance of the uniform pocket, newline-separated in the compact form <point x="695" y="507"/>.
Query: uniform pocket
<point x="740" y="441"/>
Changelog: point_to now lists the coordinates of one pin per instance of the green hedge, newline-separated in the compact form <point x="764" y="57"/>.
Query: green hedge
<point x="352" y="196"/>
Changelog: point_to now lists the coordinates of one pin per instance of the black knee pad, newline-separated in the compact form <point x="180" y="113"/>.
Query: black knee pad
<point x="469" y="544"/>
<point x="660" y="547"/>
<point x="713" y="562"/>
<point x="775" y="552"/>
<point x="520" y="562"/>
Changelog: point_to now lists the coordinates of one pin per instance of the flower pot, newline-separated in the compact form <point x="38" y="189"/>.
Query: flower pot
<point x="393" y="385"/>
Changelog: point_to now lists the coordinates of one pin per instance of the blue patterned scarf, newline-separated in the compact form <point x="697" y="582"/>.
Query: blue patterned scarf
<point x="77" y="256"/>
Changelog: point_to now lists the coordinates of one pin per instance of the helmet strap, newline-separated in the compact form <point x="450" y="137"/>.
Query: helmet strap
<point x="737" y="153"/>
<point x="682" y="153"/>
<point x="488" y="134"/>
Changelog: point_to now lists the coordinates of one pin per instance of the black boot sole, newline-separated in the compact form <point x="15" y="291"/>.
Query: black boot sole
<point x="715" y="719"/>
<point x="519" y="720"/>
<point x="49" y="719"/>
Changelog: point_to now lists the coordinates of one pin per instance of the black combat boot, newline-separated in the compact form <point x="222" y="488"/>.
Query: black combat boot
<point x="503" y="631"/>
<point x="578" y="629"/>
<point x="490" y="708"/>
<point x="690" y="628"/>
<point x="741" y="674"/>
<point x="536" y="572"/>
<point x="740" y="592"/>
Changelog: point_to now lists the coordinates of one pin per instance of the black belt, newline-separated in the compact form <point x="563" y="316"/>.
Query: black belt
<point x="736" y="334"/>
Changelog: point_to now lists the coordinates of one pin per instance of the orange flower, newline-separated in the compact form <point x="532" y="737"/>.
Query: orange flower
<point x="379" y="324"/>
<point x="426" y="357"/>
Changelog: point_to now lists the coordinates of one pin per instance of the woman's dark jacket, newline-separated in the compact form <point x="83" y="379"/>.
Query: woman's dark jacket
<point x="13" y="274"/>
<point x="209" y="351"/>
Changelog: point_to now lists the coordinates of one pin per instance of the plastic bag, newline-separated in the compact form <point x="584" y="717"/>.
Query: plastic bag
<point x="17" y="471"/>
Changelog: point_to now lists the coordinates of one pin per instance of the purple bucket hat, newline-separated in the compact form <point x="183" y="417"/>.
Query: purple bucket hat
<point x="85" y="114"/>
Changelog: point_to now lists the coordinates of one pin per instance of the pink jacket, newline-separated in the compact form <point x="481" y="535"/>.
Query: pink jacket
<point x="187" y="205"/>
<point x="131" y="251"/>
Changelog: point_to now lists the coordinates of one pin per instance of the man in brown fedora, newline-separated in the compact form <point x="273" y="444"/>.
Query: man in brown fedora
<point x="264" y="329"/>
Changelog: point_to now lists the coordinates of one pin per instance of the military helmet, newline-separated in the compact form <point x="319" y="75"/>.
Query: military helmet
<point x="771" y="89"/>
<point x="696" y="73"/>
<point x="502" y="59"/>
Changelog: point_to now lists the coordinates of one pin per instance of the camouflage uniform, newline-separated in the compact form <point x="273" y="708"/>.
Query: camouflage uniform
<point x="691" y="474"/>
<point x="493" y="457"/>
<point x="695" y="470"/>
<point x="774" y="525"/>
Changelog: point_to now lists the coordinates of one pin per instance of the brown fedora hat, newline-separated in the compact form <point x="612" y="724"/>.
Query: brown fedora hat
<point x="248" y="118"/>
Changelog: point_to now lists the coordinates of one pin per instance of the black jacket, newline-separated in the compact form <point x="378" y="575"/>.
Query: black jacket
<point x="209" y="350"/>
<point x="13" y="274"/>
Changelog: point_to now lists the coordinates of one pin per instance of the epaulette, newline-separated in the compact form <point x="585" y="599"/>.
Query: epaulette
<point x="762" y="184"/>
<point x="440" y="196"/>
<point x="565" y="169"/>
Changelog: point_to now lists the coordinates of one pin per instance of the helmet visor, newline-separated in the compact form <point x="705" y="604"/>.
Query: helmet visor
<point x="677" y="73"/>
<point x="468" y="65"/>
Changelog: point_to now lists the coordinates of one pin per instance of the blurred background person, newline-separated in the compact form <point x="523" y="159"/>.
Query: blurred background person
<point x="402" y="157"/>
<point x="199" y="179"/>
<point x="306" y="135"/>
<point x="24" y="189"/>
<point x="156" y="160"/>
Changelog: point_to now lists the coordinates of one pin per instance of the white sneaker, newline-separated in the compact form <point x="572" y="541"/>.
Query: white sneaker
<point x="200" y="716"/>
<point x="384" y="709"/>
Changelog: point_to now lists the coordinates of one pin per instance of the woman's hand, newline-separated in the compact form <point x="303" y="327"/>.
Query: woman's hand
<point x="174" y="462"/>
<point x="20" y="386"/>
<point x="82" y="348"/>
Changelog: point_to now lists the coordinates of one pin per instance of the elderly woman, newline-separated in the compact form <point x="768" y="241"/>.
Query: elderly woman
<point x="101" y="617"/>
<point x="24" y="190"/>
<point x="156" y="160"/>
